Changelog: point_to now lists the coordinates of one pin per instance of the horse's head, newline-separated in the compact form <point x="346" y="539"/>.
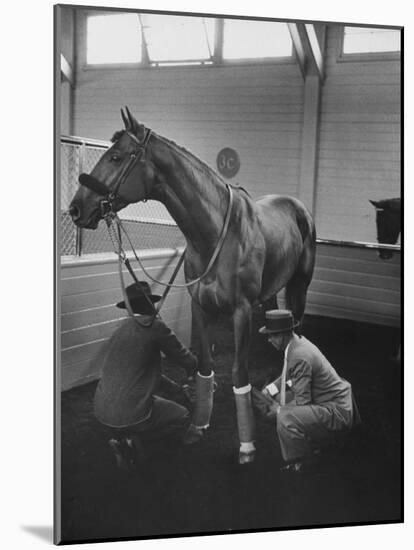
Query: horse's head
<point x="388" y="224"/>
<point x="123" y="175"/>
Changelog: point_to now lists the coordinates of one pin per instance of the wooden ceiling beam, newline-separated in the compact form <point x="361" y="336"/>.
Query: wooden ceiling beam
<point x="299" y="49"/>
<point x="309" y="48"/>
<point x="66" y="70"/>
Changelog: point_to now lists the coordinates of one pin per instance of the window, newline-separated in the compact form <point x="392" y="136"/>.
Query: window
<point x="370" y="40"/>
<point x="158" y="40"/>
<point x="113" y="39"/>
<point x="178" y="39"/>
<point x="255" y="39"/>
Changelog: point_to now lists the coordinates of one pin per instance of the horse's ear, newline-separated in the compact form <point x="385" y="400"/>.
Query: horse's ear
<point x="376" y="204"/>
<point x="134" y="126"/>
<point x="125" y="119"/>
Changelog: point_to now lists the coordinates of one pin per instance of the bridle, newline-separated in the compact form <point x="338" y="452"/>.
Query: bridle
<point x="111" y="218"/>
<point x="110" y="195"/>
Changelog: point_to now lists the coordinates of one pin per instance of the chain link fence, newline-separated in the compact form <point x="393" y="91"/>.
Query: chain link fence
<point x="149" y="224"/>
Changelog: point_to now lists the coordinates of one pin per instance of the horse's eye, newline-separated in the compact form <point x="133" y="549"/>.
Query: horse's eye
<point x="115" y="158"/>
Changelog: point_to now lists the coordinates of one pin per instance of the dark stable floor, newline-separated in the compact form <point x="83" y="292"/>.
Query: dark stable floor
<point x="201" y="488"/>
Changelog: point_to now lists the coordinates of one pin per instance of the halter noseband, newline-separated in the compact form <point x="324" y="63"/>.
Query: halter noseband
<point x="108" y="195"/>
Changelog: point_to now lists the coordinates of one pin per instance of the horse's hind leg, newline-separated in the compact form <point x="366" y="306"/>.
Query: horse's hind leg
<point x="297" y="287"/>
<point x="270" y="303"/>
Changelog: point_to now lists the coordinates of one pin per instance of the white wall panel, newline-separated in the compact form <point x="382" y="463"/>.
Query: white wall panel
<point x="359" y="146"/>
<point x="256" y="110"/>
<point x="89" y="291"/>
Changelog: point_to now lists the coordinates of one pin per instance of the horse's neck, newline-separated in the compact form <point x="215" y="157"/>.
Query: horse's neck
<point x="191" y="194"/>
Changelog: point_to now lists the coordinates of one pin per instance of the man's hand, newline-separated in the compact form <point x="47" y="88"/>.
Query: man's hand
<point x="266" y="393"/>
<point x="266" y="405"/>
<point x="272" y="411"/>
<point x="188" y="389"/>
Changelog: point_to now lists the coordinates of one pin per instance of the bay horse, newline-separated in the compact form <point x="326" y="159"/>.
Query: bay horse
<point x="269" y="245"/>
<point x="388" y="220"/>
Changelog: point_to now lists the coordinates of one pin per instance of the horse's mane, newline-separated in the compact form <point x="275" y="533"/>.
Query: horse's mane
<point x="195" y="162"/>
<point x="117" y="135"/>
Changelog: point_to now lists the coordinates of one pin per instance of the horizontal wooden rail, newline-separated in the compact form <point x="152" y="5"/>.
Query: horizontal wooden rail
<point x="357" y="244"/>
<point x="76" y="140"/>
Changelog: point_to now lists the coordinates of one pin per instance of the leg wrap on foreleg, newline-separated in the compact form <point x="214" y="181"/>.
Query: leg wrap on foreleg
<point x="204" y="388"/>
<point x="245" y="418"/>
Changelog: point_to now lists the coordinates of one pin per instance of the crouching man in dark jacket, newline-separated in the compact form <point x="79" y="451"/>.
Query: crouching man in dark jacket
<point x="125" y="403"/>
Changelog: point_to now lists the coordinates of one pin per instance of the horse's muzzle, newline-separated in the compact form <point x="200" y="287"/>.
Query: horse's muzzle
<point x="90" y="182"/>
<point x="74" y="212"/>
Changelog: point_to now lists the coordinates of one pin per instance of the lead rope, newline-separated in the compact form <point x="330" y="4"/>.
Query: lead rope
<point x="122" y="259"/>
<point x="116" y="240"/>
<point x="212" y="259"/>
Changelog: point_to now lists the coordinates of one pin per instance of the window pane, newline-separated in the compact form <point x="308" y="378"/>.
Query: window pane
<point x="177" y="38"/>
<point x="371" y="40"/>
<point x="252" y="39"/>
<point x="113" y="39"/>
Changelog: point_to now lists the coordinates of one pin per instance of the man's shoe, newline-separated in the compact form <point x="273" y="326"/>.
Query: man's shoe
<point x="125" y="454"/>
<point x="193" y="435"/>
<point x="292" y="468"/>
<point x="300" y="468"/>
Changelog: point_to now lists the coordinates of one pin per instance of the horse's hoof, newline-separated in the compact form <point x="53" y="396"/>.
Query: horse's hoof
<point x="193" y="435"/>
<point x="247" y="458"/>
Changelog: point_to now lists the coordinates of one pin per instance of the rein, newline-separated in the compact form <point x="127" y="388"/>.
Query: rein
<point x="210" y="263"/>
<point x="111" y="219"/>
<point x="122" y="258"/>
<point x="120" y="251"/>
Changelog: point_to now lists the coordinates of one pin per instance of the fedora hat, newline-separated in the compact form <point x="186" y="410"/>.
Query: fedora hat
<point x="278" y="320"/>
<point x="138" y="296"/>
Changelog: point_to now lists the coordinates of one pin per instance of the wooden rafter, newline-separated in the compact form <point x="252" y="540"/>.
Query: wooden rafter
<point x="309" y="42"/>
<point x="66" y="69"/>
<point x="308" y="49"/>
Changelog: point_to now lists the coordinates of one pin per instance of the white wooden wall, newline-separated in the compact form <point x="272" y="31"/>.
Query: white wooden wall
<point x="255" y="109"/>
<point x="359" y="148"/>
<point x="258" y="110"/>
<point x="348" y="283"/>
<point x="89" y="288"/>
<point x="354" y="283"/>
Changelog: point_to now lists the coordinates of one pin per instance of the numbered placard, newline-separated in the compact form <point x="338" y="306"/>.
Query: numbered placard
<point x="228" y="162"/>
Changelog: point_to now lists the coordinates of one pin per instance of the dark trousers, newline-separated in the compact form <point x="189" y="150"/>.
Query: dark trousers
<point x="168" y="419"/>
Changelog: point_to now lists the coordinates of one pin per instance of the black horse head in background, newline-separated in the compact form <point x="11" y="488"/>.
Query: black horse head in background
<point x="388" y="223"/>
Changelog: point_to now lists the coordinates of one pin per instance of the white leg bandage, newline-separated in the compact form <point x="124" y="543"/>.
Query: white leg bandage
<point x="204" y="400"/>
<point x="245" y="418"/>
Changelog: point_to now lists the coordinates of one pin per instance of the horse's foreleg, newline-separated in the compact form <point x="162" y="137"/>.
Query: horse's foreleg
<point x="241" y="386"/>
<point x="204" y="380"/>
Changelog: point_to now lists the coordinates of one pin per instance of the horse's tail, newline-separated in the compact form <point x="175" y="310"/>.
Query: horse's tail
<point x="306" y="225"/>
<point x="297" y="286"/>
